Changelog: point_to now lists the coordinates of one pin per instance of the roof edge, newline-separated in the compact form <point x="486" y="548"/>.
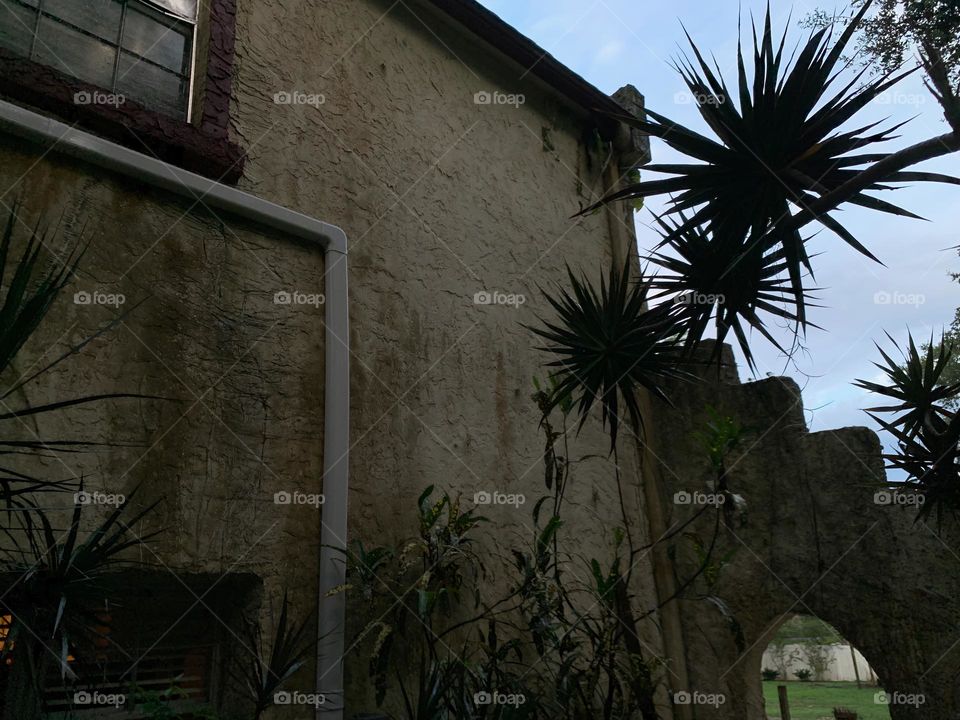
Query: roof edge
<point x="486" y="25"/>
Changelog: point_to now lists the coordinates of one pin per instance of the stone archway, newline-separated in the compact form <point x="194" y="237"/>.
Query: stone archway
<point x="805" y="642"/>
<point x="810" y="538"/>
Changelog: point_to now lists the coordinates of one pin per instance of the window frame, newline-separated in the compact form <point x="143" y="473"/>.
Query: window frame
<point x="199" y="143"/>
<point x="182" y="25"/>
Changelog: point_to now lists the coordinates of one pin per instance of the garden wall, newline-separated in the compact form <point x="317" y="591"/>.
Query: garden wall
<point x="809" y="535"/>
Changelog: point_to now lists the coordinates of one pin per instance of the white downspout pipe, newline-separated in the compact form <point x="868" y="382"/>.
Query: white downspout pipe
<point x="59" y="137"/>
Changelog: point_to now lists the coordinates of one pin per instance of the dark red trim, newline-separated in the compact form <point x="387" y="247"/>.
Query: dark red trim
<point x="205" y="149"/>
<point x="216" y="99"/>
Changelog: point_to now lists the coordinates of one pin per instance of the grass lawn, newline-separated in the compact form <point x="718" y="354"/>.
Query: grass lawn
<point x="813" y="701"/>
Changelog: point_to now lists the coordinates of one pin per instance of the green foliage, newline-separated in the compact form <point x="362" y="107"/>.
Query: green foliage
<point x="817" y="655"/>
<point x="32" y="286"/>
<point x="63" y="578"/>
<point x="722" y="434"/>
<point x="730" y="279"/>
<point x="171" y="703"/>
<point x="608" y="344"/>
<point x="801" y="628"/>
<point x="950" y="374"/>
<point x="770" y="674"/>
<point x="577" y="630"/>
<point x="590" y="660"/>
<point x="783" y="656"/>
<point x="787" y="143"/>
<point x="894" y="30"/>
<point x="264" y="673"/>
<point x="803" y="675"/>
<point x="421" y="579"/>
<point x="926" y="432"/>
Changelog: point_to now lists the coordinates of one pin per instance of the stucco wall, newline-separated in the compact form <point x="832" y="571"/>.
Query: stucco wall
<point x="840" y="669"/>
<point x="441" y="199"/>
<point x="238" y="379"/>
<point x="809" y="537"/>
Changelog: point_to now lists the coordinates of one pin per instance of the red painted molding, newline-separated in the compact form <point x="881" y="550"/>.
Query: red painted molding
<point x="204" y="149"/>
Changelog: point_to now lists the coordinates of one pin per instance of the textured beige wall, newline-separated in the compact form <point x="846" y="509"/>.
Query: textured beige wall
<point x="441" y="199"/>
<point x="809" y="538"/>
<point x="243" y="377"/>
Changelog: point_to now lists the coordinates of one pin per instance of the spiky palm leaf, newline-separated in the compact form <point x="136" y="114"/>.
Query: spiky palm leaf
<point x="60" y="581"/>
<point x="931" y="461"/>
<point x="730" y="280"/>
<point x="784" y="147"/>
<point x="915" y="384"/>
<point x="927" y="434"/>
<point x="609" y="343"/>
<point x="32" y="286"/>
<point x="265" y="673"/>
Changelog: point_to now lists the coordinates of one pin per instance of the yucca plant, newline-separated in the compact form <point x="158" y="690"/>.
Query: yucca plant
<point x="56" y="585"/>
<point x="608" y="343"/>
<point x="730" y="280"/>
<point x="926" y="432"/>
<point x="265" y="671"/>
<point x="784" y="147"/>
<point x="32" y="285"/>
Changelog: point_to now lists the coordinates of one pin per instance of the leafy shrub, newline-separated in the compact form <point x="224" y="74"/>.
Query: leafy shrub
<point x="803" y="675"/>
<point x="770" y="674"/>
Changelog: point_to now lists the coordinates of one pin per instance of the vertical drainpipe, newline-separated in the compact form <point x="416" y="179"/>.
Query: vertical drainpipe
<point x="57" y="136"/>
<point x="331" y="616"/>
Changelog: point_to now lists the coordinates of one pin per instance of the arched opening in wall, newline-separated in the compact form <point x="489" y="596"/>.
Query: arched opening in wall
<point x="824" y="675"/>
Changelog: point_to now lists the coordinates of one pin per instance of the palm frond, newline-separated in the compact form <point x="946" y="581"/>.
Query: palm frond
<point x="927" y="433"/>
<point x="32" y="285"/>
<point x="784" y="145"/>
<point x="60" y="580"/>
<point x="266" y="671"/>
<point x="608" y="343"/>
<point x="729" y="280"/>
<point x="914" y="384"/>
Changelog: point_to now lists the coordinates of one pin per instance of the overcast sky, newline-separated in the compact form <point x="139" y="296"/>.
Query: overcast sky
<point x="615" y="42"/>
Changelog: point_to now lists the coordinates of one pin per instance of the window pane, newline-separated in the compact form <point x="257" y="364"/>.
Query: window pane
<point x="183" y="8"/>
<point x="16" y="27"/>
<point x="149" y="85"/>
<point x="74" y="53"/>
<point x="155" y="41"/>
<point x="100" y="17"/>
